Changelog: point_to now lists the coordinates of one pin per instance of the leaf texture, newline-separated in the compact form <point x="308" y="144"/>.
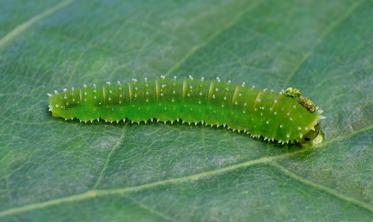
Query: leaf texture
<point x="52" y="170"/>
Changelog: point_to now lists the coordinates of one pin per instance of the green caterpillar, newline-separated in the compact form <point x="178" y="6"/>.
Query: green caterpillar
<point x="285" y="117"/>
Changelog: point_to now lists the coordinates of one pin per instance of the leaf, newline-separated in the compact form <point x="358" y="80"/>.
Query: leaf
<point x="53" y="170"/>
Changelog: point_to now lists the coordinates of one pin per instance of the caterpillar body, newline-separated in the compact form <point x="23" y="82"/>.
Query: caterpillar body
<point x="285" y="117"/>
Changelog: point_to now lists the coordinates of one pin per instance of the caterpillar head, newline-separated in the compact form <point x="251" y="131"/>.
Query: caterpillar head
<point x="313" y="137"/>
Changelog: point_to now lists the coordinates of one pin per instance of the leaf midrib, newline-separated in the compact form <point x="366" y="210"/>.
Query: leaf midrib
<point x="91" y="194"/>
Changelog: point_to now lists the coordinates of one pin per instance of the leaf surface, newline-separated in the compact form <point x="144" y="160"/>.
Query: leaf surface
<point x="67" y="171"/>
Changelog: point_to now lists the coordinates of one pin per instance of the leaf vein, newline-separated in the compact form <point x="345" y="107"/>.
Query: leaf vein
<point x="199" y="46"/>
<point x="108" y="158"/>
<point x="150" y="210"/>
<point x="322" y="36"/>
<point x="26" y="25"/>
<point x="195" y="177"/>
<point x="320" y="187"/>
<point x="120" y="191"/>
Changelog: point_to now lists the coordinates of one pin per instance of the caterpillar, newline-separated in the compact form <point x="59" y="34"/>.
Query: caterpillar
<point x="284" y="117"/>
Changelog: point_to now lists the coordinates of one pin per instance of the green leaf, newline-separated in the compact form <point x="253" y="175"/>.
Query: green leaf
<point x="53" y="170"/>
